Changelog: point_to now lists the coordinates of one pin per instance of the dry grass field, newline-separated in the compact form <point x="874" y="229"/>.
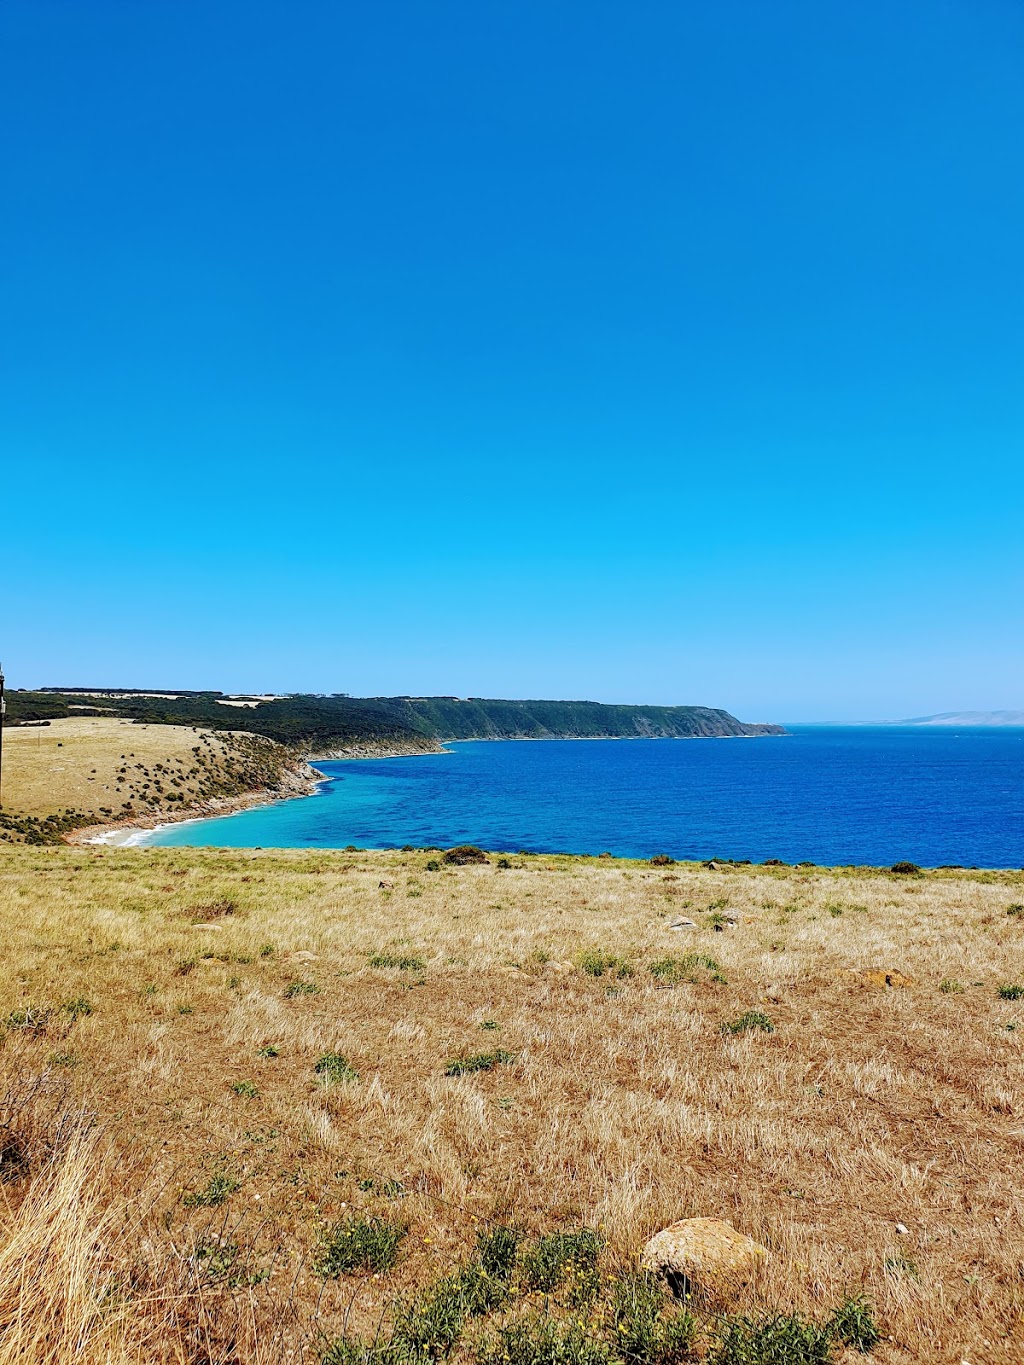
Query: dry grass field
<point x="174" y="1164"/>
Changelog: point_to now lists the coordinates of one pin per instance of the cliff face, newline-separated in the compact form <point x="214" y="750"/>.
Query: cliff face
<point x="482" y="718"/>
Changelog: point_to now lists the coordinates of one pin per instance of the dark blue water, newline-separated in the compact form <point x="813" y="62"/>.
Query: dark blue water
<point x="831" y="795"/>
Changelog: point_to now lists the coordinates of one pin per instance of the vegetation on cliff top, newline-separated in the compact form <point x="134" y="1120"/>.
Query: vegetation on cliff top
<point x="315" y="723"/>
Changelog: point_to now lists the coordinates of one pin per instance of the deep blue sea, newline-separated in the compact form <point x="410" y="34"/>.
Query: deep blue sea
<point x="831" y="795"/>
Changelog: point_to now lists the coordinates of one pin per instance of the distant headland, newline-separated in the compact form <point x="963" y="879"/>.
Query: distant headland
<point x="1012" y="718"/>
<point x="338" y="724"/>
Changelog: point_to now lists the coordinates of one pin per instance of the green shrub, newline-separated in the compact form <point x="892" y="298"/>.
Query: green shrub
<point x="504" y="865"/>
<point x="853" y="1324"/>
<point x="1016" y="910"/>
<point x="220" y="1187"/>
<point x="268" y="1050"/>
<point x="332" y="1067"/>
<point x="950" y="986"/>
<point x="463" y="854"/>
<point x="551" y="1258"/>
<point x="673" y="971"/>
<point x="542" y="1340"/>
<point x="905" y="869"/>
<point x="479" y="1061"/>
<point x="246" y="1088"/>
<point x="358" y="1243"/>
<point x="641" y="1333"/>
<point x="298" y="988"/>
<point x="599" y="964"/>
<point x="78" y="1008"/>
<point x="662" y="860"/>
<point x="753" y="1019"/>
<point x="1014" y="992"/>
<point x="433" y="865"/>
<point x="787" y="1339"/>
<point x="497" y="1248"/>
<point x="403" y="964"/>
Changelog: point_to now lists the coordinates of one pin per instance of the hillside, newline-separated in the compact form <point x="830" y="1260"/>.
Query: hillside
<point x="265" y="1106"/>
<point x="318" y="725"/>
<point x="96" y="770"/>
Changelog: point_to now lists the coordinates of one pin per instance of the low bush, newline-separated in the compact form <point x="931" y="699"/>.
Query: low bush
<point x="674" y="971"/>
<point x="662" y="860"/>
<point x="463" y="855"/>
<point x="542" y="1340"/>
<point x="602" y="964"/>
<point x="221" y="1186"/>
<point x="950" y="986"/>
<point x="787" y="1339"/>
<point x="358" y="1243"/>
<point x="640" y="1330"/>
<point x="905" y="869"/>
<point x="333" y="1068"/>
<point x="1014" y="992"/>
<point x="479" y="1061"/>
<point x="551" y="1258"/>
<point x="402" y="964"/>
<point x="752" y="1020"/>
<point x="298" y="988"/>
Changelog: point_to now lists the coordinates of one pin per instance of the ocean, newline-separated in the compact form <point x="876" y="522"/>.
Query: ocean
<point x="829" y="795"/>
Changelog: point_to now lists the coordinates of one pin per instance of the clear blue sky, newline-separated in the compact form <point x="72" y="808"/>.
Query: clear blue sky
<point x="644" y="352"/>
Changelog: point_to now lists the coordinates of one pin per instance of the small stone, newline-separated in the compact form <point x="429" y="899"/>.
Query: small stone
<point x="301" y="956"/>
<point x="902" y="1229"/>
<point x="706" y="1254"/>
<point x="683" y="923"/>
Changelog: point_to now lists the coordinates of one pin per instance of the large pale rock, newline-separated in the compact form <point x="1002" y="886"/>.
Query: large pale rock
<point x="704" y="1254"/>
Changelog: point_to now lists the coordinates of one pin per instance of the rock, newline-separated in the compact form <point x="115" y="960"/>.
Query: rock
<point x="303" y="956"/>
<point x="881" y="979"/>
<point x="385" y="886"/>
<point x="902" y="1229"/>
<point x="705" y="1254"/>
<point x="683" y="923"/>
<point x="774" y="992"/>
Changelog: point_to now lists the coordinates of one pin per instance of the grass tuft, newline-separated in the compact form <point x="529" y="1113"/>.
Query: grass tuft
<point x="746" y="1023"/>
<point x="479" y="1061"/>
<point x="358" y="1243"/>
<point x="333" y="1068"/>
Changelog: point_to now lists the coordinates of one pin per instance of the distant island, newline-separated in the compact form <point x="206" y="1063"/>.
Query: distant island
<point x="337" y="724"/>
<point x="966" y="718"/>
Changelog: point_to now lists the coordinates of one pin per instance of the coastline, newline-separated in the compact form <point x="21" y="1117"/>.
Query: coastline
<point x="134" y="833"/>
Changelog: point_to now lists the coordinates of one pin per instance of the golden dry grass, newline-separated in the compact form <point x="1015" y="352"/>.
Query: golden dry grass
<point x="77" y="762"/>
<point x="625" y="1106"/>
<point x="63" y="776"/>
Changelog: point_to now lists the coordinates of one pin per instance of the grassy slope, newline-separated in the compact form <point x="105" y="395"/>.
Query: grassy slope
<point x="625" y="1107"/>
<point x="110" y="769"/>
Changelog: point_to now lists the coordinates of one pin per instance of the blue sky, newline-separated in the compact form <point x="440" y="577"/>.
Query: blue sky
<point x="643" y="352"/>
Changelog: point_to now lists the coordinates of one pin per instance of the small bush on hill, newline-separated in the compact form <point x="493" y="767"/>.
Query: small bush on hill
<point x="464" y="854"/>
<point x="905" y="869"/>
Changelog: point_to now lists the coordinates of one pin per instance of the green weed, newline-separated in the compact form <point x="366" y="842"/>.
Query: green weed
<point x="358" y="1244"/>
<point x="479" y="1061"/>
<point x="752" y="1020"/>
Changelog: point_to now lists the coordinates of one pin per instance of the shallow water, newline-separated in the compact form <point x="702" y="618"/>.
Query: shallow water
<point x="833" y="795"/>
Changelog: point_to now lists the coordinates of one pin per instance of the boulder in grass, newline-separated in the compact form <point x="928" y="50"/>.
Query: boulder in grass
<point x="705" y="1255"/>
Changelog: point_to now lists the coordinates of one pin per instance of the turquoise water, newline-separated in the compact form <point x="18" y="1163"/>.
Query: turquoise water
<point x="831" y="795"/>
